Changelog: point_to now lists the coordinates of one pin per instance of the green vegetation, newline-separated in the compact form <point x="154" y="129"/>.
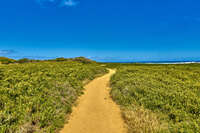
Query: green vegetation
<point x="158" y="98"/>
<point x="24" y="60"/>
<point x="5" y="60"/>
<point x="36" y="97"/>
<point x="77" y="59"/>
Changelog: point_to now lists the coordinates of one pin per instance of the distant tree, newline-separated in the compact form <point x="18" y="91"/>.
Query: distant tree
<point x="24" y="60"/>
<point x="83" y="60"/>
<point x="33" y="61"/>
<point x="60" y="59"/>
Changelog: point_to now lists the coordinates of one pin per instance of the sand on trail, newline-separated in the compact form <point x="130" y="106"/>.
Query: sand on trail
<point x="96" y="112"/>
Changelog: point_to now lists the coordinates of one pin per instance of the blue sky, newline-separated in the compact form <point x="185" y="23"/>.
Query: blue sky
<point x="101" y="29"/>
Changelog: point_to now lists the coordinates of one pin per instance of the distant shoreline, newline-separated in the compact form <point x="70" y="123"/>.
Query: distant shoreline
<point x="158" y="62"/>
<point x="174" y="63"/>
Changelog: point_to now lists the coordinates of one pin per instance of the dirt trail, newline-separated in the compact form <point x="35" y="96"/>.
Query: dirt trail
<point x="96" y="112"/>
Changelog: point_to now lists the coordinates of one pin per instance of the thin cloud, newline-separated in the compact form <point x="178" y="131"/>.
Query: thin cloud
<point x="32" y="57"/>
<point x="57" y="3"/>
<point x="70" y="3"/>
<point x="7" y="52"/>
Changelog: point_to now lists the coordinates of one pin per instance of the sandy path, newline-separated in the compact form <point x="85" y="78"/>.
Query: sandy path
<point x="96" y="112"/>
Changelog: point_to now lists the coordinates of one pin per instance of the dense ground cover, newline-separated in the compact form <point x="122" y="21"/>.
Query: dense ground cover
<point x="35" y="97"/>
<point x="158" y="98"/>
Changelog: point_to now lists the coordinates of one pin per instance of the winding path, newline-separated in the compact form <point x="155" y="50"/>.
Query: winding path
<point x="96" y="112"/>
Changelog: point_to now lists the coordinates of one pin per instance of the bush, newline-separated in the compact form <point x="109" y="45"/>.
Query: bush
<point x="24" y="60"/>
<point x="35" y="97"/>
<point x="83" y="60"/>
<point x="170" y="91"/>
<point x="5" y="60"/>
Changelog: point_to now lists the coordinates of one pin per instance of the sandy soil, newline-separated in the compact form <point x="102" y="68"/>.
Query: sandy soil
<point x="96" y="112"/>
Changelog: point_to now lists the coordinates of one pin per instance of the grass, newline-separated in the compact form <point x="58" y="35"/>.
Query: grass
<point x="158" y="98"/>
<point x="36" y="97"/>
<point x="140" y="120"/>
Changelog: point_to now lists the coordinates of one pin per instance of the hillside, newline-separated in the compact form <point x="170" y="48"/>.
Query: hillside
<point x="5" y="60"/>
